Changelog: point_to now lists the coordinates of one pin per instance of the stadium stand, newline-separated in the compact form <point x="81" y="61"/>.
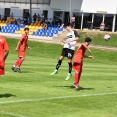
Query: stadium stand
<point x="36" y="29"/>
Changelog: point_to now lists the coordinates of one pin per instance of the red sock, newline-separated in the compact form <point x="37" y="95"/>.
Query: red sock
<point x="76" y="78"/>
<point x="79" y="74"/>
<point x="17" y="62"/>
<point x="20" y="62"/>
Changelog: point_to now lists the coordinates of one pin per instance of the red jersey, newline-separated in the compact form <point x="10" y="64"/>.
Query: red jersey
<point x="3" y="47"/>
<point x="78" y="57"/>
<point x="23" y="42"/>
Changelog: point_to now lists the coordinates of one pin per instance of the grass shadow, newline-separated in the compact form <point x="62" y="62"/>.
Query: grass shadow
<point x="7" y="95"/>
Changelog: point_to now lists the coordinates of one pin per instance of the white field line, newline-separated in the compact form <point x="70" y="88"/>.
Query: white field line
<point x="60" y="97"/>
<point x="10" y="113"/>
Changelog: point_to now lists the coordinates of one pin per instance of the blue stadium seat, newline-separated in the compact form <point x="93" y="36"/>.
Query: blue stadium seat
<point x="50" y="34"/>
<point x="18" y="28"/>
<point x="55" y="31"/>
<point x="14" y="28"/>
<point x="10" y="28"/>
<point x="38" y="30"/>
<point x="16" y="25"/>
<point x="7" y="27"/>
<point x="43" y="33"/>
<point x="9" y="31"/>
<point x="6" y="30"/>
<point x="50" y="28"/>
<point x="3" y="30"/>
<point x="52" y="31"/>
<point x="40" y="34"/>
<point x="33" y="33"/>
<point x="48" y="31"/>
<point x="36" y="33"/>
<point x="47" y="34"/>
<point x="3" y="27"/>
<point x="60" y="29"/>
<point x="12" y="31"/>
<point x="41" y="30"/>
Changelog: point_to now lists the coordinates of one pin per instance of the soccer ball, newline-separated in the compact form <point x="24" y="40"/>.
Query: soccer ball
<point x="107" y="37"/>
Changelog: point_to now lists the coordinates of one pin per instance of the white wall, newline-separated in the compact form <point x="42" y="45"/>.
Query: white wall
<point x="18" y="12"/>
<point x="99" y="5"/>
<point x="63" y="5"/>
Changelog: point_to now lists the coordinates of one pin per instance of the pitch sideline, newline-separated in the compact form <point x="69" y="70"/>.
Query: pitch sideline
<point x="60" y="97"/>
<point x="12" y="114"/>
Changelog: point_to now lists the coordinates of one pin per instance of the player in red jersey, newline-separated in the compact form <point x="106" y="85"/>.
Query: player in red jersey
<point x="4" y="51"/>
<point x="21" y="48"/>
<point x="78" y="61"/>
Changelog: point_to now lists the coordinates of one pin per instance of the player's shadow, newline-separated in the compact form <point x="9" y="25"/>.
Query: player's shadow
<point x="81" y="88"/>
<point x="27" y="72"/>
<point x="7" y="95"/>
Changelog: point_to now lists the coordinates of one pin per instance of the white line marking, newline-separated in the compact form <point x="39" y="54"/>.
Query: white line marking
<point x="61" y="97"/>
<point x="10" y="113"/>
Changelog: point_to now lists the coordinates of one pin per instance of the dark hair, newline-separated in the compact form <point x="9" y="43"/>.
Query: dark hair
<point x="26" y="29"/>
<point x="87" y="39"/>
<point x="69" y="24"/>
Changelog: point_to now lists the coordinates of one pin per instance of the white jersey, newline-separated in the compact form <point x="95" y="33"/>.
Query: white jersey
<point x="70" y="36"/>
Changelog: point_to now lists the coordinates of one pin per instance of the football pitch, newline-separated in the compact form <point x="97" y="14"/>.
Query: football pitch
<point x="35" y="93"/>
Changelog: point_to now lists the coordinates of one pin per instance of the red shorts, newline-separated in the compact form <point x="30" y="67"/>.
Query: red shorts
<point x="77" y="67"/>
<point x="21" y="53"/>
<point x="2" y="72"/>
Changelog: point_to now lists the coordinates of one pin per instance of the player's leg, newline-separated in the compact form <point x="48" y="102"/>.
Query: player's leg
<point x="58" y="65"/>
<point x="2" y="72"/>
<point x="77" y="79"/>
<point x="63" y="54"/>
<point x="19" y="64"/>
<point x="70" y="54"/>
<point x="78" y="70"/>
<point x="15" y="64"/>
<point x="69" y="69"/>
<point x="21" y="55"/>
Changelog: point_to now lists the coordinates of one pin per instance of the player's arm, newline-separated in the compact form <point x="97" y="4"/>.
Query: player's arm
<point x="28" y="47"/>
<point x="63" y="40"/>
<point x="18" y="45"/>
<point x="87" y="48"/>
<point x="91" y="57"/>
<point x="6" y="50"/>
<point x="6" y="54"/>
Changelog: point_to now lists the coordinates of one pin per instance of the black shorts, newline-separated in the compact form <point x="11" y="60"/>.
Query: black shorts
<point x="67" y="53"/>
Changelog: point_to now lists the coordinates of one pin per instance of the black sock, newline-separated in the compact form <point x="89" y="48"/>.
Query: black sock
<point x="70" y="67"/>
<point x="58" y="64"/>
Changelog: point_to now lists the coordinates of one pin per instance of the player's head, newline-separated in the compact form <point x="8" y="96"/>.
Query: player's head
<point x="69" y="26"/>
<point x="26" y="30"/>
<point x="88" y="40"/>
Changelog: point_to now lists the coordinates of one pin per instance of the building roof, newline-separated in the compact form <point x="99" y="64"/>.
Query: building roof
<point x="27" y="1"/>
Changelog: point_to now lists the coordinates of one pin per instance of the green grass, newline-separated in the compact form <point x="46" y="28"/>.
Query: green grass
<point x="98" y="38"/>
<point x="52" y="96"/>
